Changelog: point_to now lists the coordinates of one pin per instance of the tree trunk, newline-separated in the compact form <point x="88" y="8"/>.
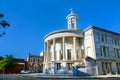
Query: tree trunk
<point x="3" y="71"/>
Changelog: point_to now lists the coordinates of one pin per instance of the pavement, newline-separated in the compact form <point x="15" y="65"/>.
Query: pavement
<point x="39" y="76"/>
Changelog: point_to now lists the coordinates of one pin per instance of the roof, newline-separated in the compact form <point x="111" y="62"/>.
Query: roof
<point x="35" y="56"/>
<point x="20" y="60"/>
<point x="101" y="29"/>
<point x="61" y="31"/>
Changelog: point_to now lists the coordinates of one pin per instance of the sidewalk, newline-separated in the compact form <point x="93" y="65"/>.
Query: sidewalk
<point x="38" y="76"/>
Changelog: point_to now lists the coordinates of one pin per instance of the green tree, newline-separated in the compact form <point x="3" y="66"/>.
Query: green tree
<point x="3" y="24"/>
<point x="7" y="62"/>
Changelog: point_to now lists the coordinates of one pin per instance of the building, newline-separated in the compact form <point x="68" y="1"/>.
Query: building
<point x="103" y="47"/>
<point x="93" y="51"/>
<point x="21" y="64"/>
<point x="35" y="63"/>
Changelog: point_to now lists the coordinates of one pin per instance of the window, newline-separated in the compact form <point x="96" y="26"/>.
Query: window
<point x="30" y="60"/>
<point x="110" y="66"/>
<point x="106" y="67"/>
<point x="115" y="41"/>
<point x="103" y="70"/>
<point x="69" y="66"/>
<point x="58" y="66"/>
<point x="108" y="51"/>
<point x="118" y="67"/>
<point x="103" y="38"/>
<point x="33" y="59"/>
<point x="101" y="50"/>
<point x="69" y="54"/>
<point x="72" y="25"/>
<point x="117" y="53"/>
<point x="38" y="60"/>
<point x="104" y="51"/>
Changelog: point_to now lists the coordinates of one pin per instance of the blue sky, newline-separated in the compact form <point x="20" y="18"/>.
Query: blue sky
<point x="31" y="20"/>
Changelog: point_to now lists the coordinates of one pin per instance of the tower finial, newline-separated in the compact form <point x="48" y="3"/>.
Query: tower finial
<point x="71" y="10"/>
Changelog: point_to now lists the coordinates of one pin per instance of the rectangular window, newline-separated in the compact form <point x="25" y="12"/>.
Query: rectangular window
<point x="103" y="38"/>
<point x="104" y="51"/>
<point x="103" y="70"/>
<point x="107" y="67"/>
<point x="58" y="66"/>
<point x="118" y="67"/>
<point x="101" y="50"/>
<point x="31" y="60"/>
<point x="72" y="25"/>
<point x="69" y="54"/>
<point x="115" y="41"/>
<point x="110" y="66"/>
<point x="69" y="66"/>
<point x="116" y="53"/>
<point x="108" y="51"/>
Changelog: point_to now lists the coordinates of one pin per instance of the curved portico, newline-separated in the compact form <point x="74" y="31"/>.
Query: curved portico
<point x="63" y="47"/>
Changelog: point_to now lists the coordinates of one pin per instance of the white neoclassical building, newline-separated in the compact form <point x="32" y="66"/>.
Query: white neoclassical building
<point x="93" y="51"/>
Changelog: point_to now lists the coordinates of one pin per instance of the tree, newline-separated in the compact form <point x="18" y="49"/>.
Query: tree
<point x="7" y="62"/>
<point x="3" y="24"/>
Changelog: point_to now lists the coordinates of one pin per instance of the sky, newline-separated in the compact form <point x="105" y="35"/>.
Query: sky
<point x="31" y="20"/>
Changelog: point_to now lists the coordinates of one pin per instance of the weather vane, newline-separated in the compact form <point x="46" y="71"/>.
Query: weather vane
<point x="71" y="10"/>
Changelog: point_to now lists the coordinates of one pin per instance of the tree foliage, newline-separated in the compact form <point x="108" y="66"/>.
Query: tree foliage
<point x="1" y="15"/>
<point x="7" y="62"/>
<point x="3" y="24"/>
